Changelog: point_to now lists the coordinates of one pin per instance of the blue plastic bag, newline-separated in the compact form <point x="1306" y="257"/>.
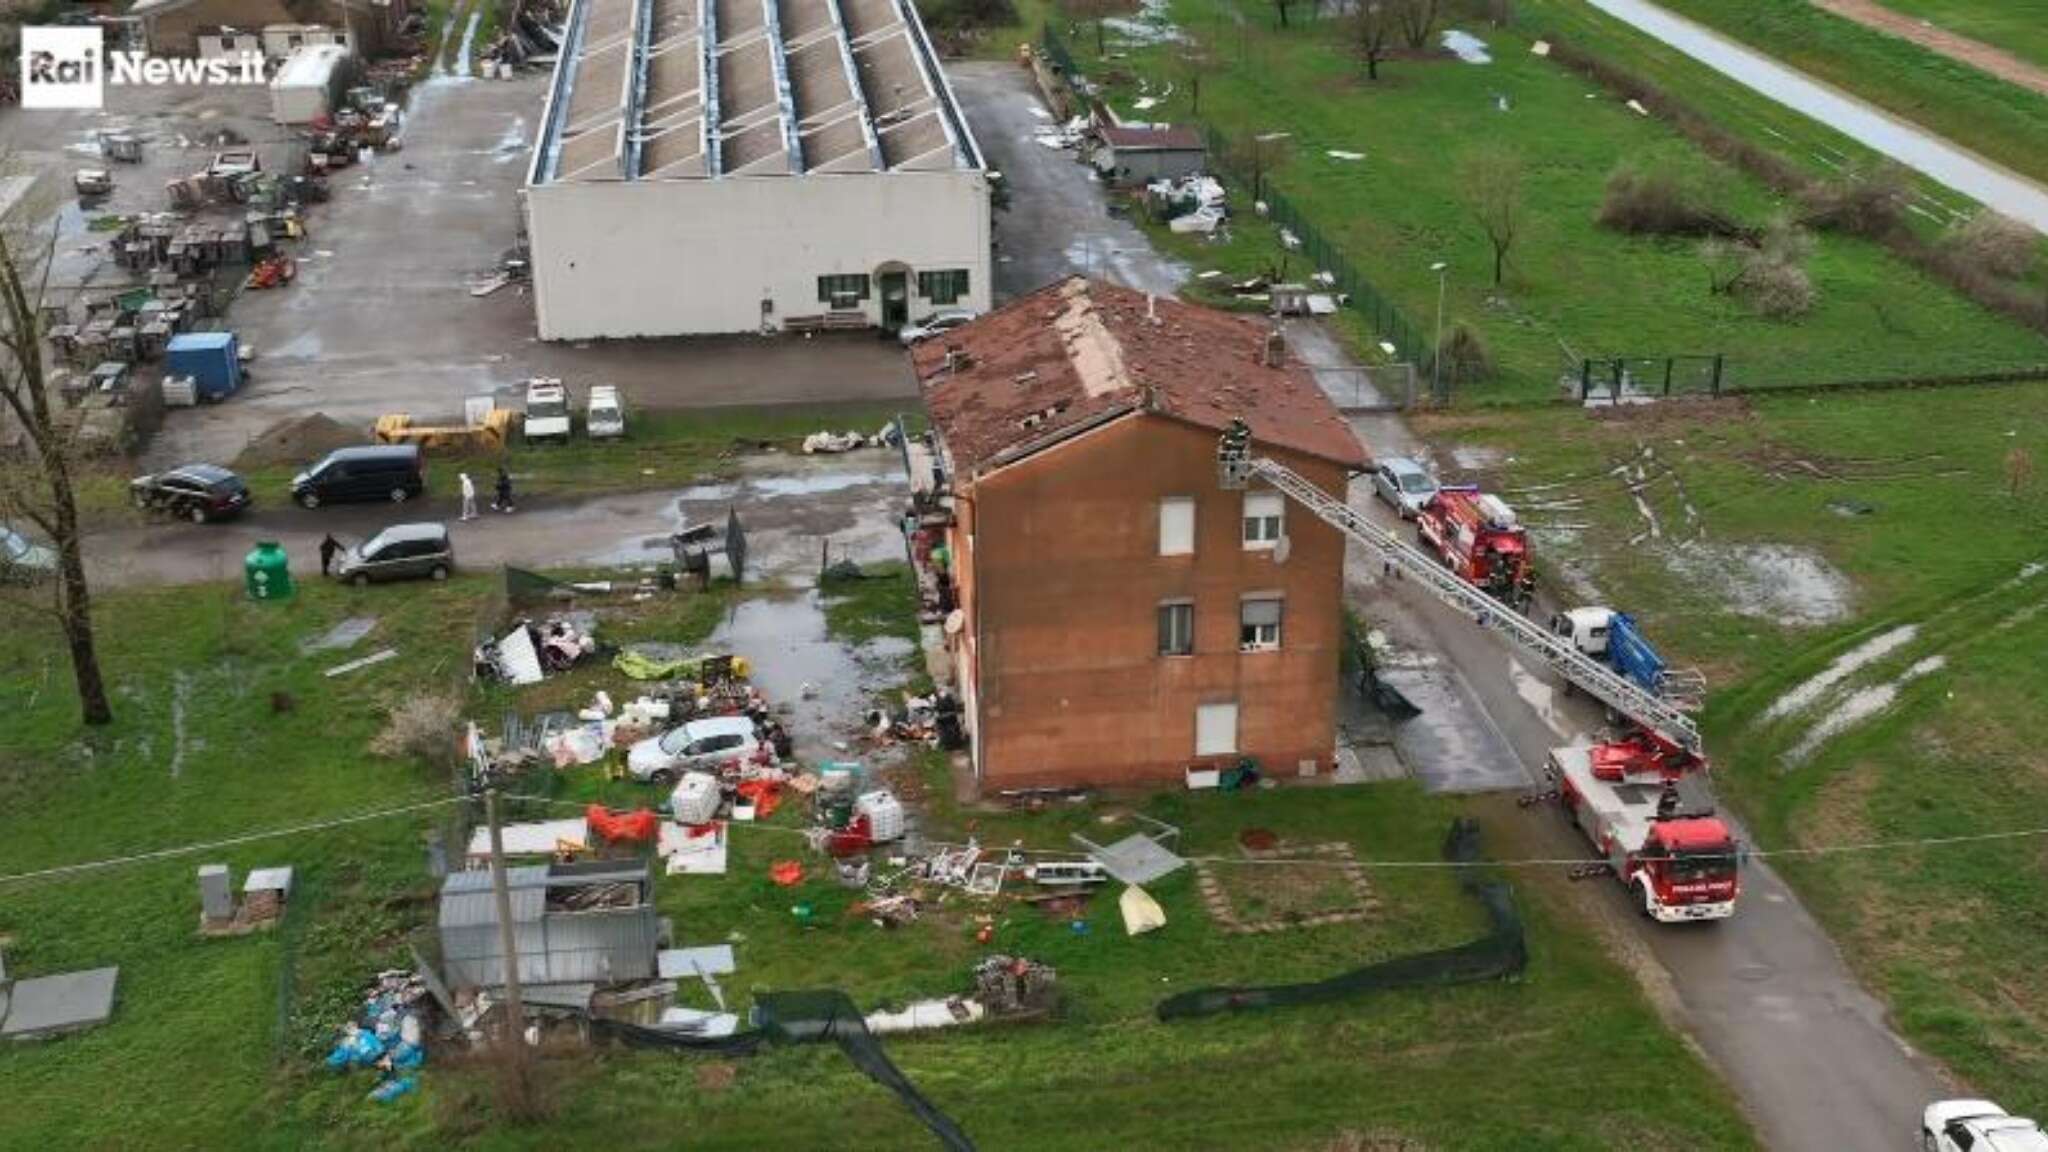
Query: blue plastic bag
<point x="392" y="1089"/>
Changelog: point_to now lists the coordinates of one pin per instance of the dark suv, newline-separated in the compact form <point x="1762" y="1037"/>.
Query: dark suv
<point x="400" y="552"/>
<point x="195" y="492"/>
<point x="394" y="472"/>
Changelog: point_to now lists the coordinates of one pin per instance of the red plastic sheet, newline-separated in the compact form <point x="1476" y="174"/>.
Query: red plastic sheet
<point x="639" y="824"/>
<point x="766" y="796"/>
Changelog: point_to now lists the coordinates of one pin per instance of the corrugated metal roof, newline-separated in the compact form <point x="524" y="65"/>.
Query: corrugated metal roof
<point x="467" y="899"/>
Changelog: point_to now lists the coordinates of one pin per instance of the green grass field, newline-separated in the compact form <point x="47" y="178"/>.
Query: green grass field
<point x="2002" y="121"/>
<point x="215" y="1043"/>
<point x="1573" y="289"/>
<point x="1907" y="496"/>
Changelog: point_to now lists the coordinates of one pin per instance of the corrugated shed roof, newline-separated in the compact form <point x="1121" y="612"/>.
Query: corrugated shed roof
<point x="1074" y="353"/>
<point x="467" y="900"/>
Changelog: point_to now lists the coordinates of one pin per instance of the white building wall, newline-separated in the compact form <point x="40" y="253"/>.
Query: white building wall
<point x="677" y="257"/>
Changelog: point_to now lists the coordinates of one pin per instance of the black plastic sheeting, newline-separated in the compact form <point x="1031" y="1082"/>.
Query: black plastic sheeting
<point x="1502" y="952"/>
<point x="808" y="1017"/>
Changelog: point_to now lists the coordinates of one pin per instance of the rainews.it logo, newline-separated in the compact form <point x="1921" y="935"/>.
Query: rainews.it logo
<point x="71" y="68"/>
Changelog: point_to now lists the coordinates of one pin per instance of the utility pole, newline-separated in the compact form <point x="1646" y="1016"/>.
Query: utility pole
<point x="515" y="1008"/>
<point x="1436" y="352"/>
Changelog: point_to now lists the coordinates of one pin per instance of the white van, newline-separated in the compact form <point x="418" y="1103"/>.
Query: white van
<point x="603" y="418"/>
<point x="547" y="411"/>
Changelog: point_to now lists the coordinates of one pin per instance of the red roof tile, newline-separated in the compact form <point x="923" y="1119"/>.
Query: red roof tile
<point x="1077" y="352"/>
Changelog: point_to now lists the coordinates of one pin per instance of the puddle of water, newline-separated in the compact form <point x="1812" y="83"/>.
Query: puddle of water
<point x="784" y="640"/>
<point x="1859" y="706"/>
<point x="1539" y="696"/>
<point x="1474" y="456"/>
<point x="1151" y="24"/>
<point x="1790" y="586"/>
<point x="1847" y="664"/>
<point x="1467" y="47"/>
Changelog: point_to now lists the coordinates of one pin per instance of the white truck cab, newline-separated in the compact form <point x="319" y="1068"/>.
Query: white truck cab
<point x="603" y="418"/>
<point x="1977" y="1126"/>
<point x="547" y="411"/>
<point x="1586" y="628"/>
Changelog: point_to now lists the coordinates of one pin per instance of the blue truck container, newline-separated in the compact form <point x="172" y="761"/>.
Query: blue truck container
<point x="1630" y="653"/>
<point x="209" y="358"/>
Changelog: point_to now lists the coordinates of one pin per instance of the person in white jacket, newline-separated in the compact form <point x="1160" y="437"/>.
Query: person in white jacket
<point x="468" y="497"/>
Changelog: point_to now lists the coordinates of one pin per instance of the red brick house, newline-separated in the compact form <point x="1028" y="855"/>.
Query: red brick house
<point x="1122" y="618"/>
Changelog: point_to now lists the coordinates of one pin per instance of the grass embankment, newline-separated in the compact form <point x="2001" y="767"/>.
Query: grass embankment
<point x="1572" y="288"/>
<point x="212" y="1045"/>
<point x="1906" y="494"/>
<point x="1997" y="119"/>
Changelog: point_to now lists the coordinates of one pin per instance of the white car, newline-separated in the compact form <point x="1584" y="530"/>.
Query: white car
<point x="702" y="745"/>
<point x="547" y="411"/>
<point x="944" y="320"/>
<point x="1977" y="1126"/>
<point x="1405" y="485"/>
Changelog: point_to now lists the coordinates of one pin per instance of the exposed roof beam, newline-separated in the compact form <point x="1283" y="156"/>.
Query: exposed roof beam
<point x="860" y="96"/>
<point x="636" y="97"/>
<point x="785" y="104"/>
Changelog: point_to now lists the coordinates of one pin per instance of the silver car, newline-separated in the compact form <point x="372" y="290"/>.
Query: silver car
<point x="400" y="552"/>
<point x="1405" y="485"/>
<point x="938" y="323"/>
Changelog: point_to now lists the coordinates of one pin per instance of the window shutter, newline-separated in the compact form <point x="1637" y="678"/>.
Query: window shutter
<point x="1176" y="526"/>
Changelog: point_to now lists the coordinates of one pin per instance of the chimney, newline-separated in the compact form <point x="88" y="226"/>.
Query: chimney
<point x="1275" y="352"/>
<point x="957" y="360"/>
<point x="1151" y="307"/>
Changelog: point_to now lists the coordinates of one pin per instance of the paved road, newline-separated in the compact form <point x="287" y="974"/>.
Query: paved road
<point x="1908" y="143"/>
<point x="788" y="504"/>
<point x="1056" y="224"/>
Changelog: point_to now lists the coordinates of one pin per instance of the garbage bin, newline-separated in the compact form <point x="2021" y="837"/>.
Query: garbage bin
<point x="267" y="572"/>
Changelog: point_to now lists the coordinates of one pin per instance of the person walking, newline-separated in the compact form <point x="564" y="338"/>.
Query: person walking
<point x="502" y="501"/>
<point x="329" y="548"/>
<point x="468" y="497"/>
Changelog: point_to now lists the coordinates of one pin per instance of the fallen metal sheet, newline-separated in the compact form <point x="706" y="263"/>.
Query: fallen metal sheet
<point x="1140" y="858"/>
<point x="342" y="635"/>
<point x="49" y="1005"/>
<point x="377" y="657"/>
<point x="681" y="963"/>
<point x="518" y="659"/>
<point x="573" y="996"/>
<point x="699" y="1023"/>
<point x="269" y="880"/>
<point x="540" y="838"/>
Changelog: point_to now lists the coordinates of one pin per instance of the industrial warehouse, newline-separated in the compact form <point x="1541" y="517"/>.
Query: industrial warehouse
<point x="710" y="166"/>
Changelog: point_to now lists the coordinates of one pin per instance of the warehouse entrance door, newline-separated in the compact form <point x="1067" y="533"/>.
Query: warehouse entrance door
<point x="895" y="283"/>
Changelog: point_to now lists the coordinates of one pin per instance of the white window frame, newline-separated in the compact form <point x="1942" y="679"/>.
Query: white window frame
<point x="1265" y="637"/>
<point x="1177" y="526"/>
<point x="1177" y="607"/>
<point x="1216" y="729"/>
<point x="1264" y="521"/>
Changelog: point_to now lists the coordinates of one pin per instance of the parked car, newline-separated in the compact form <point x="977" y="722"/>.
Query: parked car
<point x="394" y="472"/>
<point x="603" y="418"/>
<point x="1977" y="1126"/>
<point x="944" y="320"/>
<point x="195" y="492"/>
<point x="547" y="411"/>
<point x="700" y="745"/>
<point x="1405" y="485"/>
<point x="22" y="562"/>
<point x="400" y="552"/>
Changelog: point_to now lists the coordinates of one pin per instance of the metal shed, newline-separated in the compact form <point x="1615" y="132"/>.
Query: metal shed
<point x="590" y="921"/>
<point x="1131" y="155"/>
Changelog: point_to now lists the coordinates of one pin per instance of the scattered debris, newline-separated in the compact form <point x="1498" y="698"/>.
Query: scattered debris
<point x="377" y="657"/>
<point x="1467" y="47"/>
<point x="54" y="1005"/>
<point x="1141" y="912"/>
<point x="387" y="1035"/>
<point x="1139" y="858"/>
<point x="342" y="635"/>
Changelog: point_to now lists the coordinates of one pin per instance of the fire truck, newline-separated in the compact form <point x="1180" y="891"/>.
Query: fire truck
<point x="1477" y="536"/>
<point x="1643" y="802"/>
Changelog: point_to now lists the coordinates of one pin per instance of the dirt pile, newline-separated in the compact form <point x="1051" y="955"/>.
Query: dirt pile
<point x="300" y="440"/>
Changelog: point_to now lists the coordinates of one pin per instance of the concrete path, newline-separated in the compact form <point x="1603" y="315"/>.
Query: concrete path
<point x="1057" y="223"/>
<point x="1908" y="143"/>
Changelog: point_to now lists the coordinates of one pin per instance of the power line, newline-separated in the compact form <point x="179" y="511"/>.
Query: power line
<point x="230" y="842"/>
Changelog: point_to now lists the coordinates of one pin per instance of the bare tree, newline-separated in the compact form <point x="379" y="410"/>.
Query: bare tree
<point x="1418" y="20"/>
<point x="1373" y="33"/>
<point x="1094" y="12"/>
<point x="1193" y="64"/>
<point x="1280" y="7"/>
<point x="1260" y="153"/>
<point x="40" y="489"/>
<point x="1492" y="179"/>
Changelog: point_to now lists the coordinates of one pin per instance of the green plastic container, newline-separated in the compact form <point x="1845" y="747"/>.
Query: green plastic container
<point x="267" y="572"/>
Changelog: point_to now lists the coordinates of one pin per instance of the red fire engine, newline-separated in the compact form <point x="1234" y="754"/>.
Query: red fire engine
<point x="1644" y="804"/>
<point x="1478" y="537"/>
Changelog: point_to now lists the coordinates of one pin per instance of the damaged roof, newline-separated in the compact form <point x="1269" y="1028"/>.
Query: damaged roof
<point x="1078" y="353"/>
